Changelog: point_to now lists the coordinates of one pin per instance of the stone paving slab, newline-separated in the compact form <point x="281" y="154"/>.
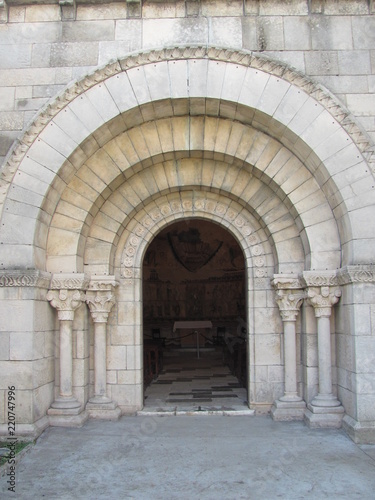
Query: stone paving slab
<point x="194" y="457"/>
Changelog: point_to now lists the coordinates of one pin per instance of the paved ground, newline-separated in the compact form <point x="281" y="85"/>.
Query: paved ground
<point x="188" y="383"/>
<point x="194" y="457"/>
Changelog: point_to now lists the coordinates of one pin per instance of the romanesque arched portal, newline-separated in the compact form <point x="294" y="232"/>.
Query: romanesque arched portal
<point x="181" y="133"/>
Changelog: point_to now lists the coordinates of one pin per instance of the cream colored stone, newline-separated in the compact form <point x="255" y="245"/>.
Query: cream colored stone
<point x="83" y="108"/>
<point x="178" y="78"/>
<point x="116" y="357"/>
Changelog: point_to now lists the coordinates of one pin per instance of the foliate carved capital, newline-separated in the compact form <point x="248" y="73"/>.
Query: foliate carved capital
<point x="289" y="295"/>
<point x="289" y="302"/>
<point x="66" y="302"/>
<point x="322" y="299"/>
<point x="100" y="303"/>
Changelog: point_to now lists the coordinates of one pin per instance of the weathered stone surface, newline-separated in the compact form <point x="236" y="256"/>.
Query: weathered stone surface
<point x="179" y="133"/>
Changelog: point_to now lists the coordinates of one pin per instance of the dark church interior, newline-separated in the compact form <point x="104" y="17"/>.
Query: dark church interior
<point x="194" y="301"/>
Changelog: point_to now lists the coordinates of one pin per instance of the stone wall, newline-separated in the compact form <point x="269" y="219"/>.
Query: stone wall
<point x="242" y="141"/>
<point x="45" y="47"/>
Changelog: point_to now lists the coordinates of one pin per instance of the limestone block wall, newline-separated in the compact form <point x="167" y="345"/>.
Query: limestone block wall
<point x="98" y="223"/>
<point x="45" y="47"/>
<point x="28" y="340"/>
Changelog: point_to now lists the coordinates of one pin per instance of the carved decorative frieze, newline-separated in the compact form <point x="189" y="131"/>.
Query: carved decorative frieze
<point x="286" y="282"/>
<point x="319" y="278"/>
<point x="356" y="274"/>
<point x="20" y="278"/>
<point x="240" y="57"/>
<point x="102" y="283"/>
<point x="70" y="282"/>
<point x="66" y="302"/>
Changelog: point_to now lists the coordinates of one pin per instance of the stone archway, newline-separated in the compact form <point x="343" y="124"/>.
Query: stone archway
<point x="189" y="205"/>
<point x="187" y="132"/>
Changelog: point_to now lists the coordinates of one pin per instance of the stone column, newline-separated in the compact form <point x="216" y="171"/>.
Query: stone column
<point x="66" y="295"/>
<point x="100" y="299"/>
<point x="325" y="409"/>
<point x="289" y="297"/>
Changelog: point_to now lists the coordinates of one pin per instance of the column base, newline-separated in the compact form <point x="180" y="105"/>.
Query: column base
<point x="103" y="408"/>
<point x="325" y="401"/>
<point x="318" y="417"/>
<point x="68" y="403"/>
<point x="67" y="417"/>
<point x="360" y="433"/>
<point x="288" y="410"/>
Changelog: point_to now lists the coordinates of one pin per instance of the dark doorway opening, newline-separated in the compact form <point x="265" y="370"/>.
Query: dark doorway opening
<point x="194" y="317"/>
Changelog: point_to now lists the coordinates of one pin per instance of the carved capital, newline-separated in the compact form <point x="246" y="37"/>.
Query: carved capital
<point x="100" y="303"/>
<point x="289" y="302"/>
<point x="322" y="299"/>
<point x="289" y="295"/>
<point x="66" y="302"/>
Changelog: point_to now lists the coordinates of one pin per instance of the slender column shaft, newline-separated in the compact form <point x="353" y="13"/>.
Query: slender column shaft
<point x="66" y="359"/>
<point x="100" y="358"/>
<point x="324" y="355"/>
<point x="290" y="361"/>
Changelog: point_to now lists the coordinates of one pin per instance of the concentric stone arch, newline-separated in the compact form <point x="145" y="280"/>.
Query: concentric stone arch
<point x="265" y="94"/>
<point x="188" y="205"/>
<point x="141" y="231"/>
